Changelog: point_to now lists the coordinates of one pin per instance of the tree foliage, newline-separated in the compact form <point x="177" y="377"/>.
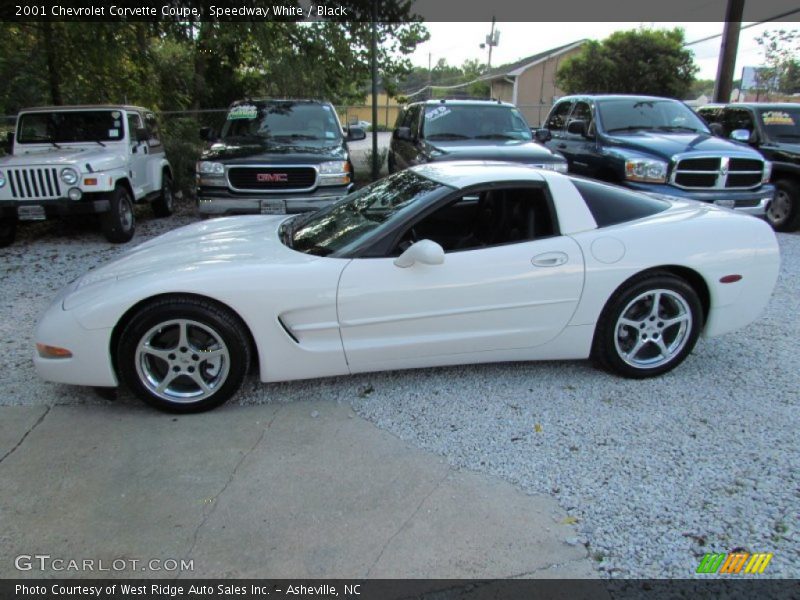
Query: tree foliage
<point x="443" y="77"/>
<point x="640" y="61"/>
<point x="781" y="70"/>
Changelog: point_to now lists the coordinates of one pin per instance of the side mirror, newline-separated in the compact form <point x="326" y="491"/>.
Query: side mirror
<point x="355" y="133"/>
<point x="403" y="133"/>
<point x="425" y="252"/>
<point x="740" y="135"/>
<point x="206" y="134"/>
<point x="542" y="135"/>
<point x="717" y="129"/>
<point x="577" y="127"/>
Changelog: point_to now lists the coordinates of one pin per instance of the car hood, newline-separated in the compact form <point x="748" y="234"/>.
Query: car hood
<point x="666" y="145"/>
<point x="57" y="157"/>
<point x="508" y="150"/>
<point x="300" y="152"/>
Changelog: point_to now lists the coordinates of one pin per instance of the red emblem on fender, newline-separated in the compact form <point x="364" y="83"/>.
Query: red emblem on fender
<point x="272" y="177"/>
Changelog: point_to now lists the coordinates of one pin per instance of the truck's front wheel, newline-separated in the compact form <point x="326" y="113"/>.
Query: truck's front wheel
<point x="119" y="223"/>
<point x="784" y="210"/>
<point x="8" y="231"/>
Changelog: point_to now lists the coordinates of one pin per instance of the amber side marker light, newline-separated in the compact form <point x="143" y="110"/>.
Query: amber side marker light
<point x="46" y="351"/>
<point x="730" y="279"/>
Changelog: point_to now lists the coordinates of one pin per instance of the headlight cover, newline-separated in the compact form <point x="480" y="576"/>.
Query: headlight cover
<point x="205" y="167"/>
<point x="334" y="172"/>
<point x="645" y="170"/>
<point x="69" y="176"/>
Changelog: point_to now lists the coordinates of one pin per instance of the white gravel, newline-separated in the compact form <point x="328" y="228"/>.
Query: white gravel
<point x="654" y="473"/>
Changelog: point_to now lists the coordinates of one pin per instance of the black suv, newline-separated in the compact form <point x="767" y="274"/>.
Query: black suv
<point x="656" y="145"/>
<point x="774" y="130"/>
<point x="466" y="130"/>
<point x="275" y="157"/>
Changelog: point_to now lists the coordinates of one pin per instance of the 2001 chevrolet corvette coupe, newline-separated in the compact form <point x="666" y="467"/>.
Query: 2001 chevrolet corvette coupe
<point x="441" y="264"/>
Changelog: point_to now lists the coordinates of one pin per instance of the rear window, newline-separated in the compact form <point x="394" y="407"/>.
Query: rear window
<point x="611" y="205"/>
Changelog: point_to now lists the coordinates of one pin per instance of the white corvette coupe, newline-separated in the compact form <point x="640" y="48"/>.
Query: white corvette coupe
<point x="443" y="264"/>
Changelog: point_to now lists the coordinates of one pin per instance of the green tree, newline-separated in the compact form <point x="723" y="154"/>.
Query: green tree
<point x="781" y="70"/>
<point x="640" y="61"/>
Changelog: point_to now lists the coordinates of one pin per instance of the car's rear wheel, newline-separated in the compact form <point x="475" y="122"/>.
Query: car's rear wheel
<point x="183" y="354"/>
<point x="784" y="210"/>
<point x="164" y="205"/>
<point x="119" y="223"/>
<point x="648" y="327"/>
<point x="8" y="231"/>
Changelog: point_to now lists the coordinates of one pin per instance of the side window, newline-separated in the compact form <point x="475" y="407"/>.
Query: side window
<point x="134" y="123"/>
<point x="485" y="218"/>
<point x="582" y="112"/>
<point x="413" y="119"/>
<point x="400" y="118"/>
<point x="738" y="118"/>
<point x="610" y="205"/>
<point x="710" y="115"/>
<point x="154" y="135"/>
<point x="558" y="116"/>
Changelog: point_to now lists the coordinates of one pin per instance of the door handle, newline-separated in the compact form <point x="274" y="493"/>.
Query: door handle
<point x="549" y="259"/>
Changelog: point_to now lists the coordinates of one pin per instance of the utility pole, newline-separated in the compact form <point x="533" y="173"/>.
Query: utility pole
<point x="430" y="76"/>
<point x="492" y="40"/>
<point x="728" y="50"/>
<point x="374" y="69"/>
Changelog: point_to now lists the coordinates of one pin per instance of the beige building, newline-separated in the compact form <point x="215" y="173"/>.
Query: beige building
<point x="530" y="83"/>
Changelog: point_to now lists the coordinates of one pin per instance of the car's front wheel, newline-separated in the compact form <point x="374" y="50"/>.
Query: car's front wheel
<point x="784" y="210"/>
<point x="183" y="354"/>
<point x="648" y="327"/>
<point x="119" y="223"/>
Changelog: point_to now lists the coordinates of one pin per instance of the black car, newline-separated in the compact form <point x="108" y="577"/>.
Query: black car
<point x="656" y="145"/>
<point x="275" y="157"/>
<point x="774" y="130"/>
<point x="466" y="130"/>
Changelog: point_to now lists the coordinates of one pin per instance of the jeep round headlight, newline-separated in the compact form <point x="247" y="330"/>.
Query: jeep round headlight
<point x="205" y="167"/>
<point x="2" y="179"/>
<point x="69" y="176"/>
<point x="645" y="170"/>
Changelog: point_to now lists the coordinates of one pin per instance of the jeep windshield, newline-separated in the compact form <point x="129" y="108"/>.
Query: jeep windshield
<point x="281" y="122"/>
<point x="782" y="125"/>
<point x="636" y="114"/>
<point x="482" y="122"/>
<point x="70" y="126"/>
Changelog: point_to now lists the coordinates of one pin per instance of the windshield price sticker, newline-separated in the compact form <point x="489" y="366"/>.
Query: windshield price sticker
<point x="437" y="113"/>
<point x="777" y="118"/>
<point x="245" y="111"/>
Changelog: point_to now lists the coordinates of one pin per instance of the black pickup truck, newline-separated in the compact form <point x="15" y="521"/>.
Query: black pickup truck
<point x="774" y="130"/>
<point x="656" y="145"/>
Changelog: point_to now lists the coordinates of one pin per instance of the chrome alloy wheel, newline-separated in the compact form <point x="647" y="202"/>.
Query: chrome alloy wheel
<point x="653" y="328"/>
<point x="182" y="360"/>
<point x="779" y="208"/>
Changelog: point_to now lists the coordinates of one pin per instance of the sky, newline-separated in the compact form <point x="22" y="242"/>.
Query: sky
<point x="457" y="42"/>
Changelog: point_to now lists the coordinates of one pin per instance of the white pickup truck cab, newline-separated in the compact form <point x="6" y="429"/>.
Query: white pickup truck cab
<point x="80" y="160"/>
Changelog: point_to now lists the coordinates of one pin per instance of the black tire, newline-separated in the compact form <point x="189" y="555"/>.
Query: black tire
<point x="119" y="223"/>
<point x="205" y="321"/>
<point x="164" y="205"/>
<point x="784" y="210"/>
<point x="8" y="231"/>
<point x="612" y="338"/>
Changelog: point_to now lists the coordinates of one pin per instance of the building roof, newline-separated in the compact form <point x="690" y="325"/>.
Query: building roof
<point x="516" y="68"/>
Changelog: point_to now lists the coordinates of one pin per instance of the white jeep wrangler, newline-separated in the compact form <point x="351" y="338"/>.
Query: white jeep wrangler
<point x="69" y="160"/>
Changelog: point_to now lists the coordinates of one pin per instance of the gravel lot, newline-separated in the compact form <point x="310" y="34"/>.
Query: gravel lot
<point x="653" y="473"/>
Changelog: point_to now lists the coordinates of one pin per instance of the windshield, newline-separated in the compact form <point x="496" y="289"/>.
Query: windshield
<point x="282" y="121"/>
<point x="369" y="210"/>
<point x="631" y="114"/>
<point x="453" y="121"/>
<point x="782" y="125"/>
<point x="70" y="126"/>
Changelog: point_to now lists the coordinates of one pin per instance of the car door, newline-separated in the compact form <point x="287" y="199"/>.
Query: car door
<point x="137" y="156"/>
<point x="480" y="300"/>
<point x="555" y="124"/>
<point x="579" y="150"/>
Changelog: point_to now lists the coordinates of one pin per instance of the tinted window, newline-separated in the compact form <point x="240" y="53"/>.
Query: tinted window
<point x="283" y="121"/>
<point x="782" y="124"/>
<point x="489" y="121"/>
<point x="558" y="116"/>
<point x="582" y="111"/>
<point x="134" y="123"/>
<point x="611" y="205"/>
<point x="630" y="114"/>
<point x="738" y="118"/>
<point x="151" y="123"/>
<point x="71" y="126"/>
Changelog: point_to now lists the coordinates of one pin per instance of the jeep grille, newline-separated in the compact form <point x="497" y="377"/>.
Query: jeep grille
<point x="717" y="173"/>
<point x="36" y="183"/>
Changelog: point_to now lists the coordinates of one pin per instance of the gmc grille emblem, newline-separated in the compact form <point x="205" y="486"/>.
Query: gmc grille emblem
<point x="272" y="177"/>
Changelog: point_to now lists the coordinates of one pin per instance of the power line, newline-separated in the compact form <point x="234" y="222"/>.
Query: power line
<point x="775" y="18"/>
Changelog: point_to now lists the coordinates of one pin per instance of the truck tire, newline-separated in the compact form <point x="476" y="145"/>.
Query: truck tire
<point x="8" y="231"/>
<point x="119" y="223"/>
<point x="784" y="210"/>
<point x="163" y="206"/>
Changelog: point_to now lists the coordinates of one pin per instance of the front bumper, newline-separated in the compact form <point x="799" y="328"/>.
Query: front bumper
<point x="220" y="201"/>
<point x="752" y="202"/>
<point x="54" y="208"/>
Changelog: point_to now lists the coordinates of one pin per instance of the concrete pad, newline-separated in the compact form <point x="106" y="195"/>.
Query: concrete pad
<point x="306" y="489"/>
<point x="17" y="421"/>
